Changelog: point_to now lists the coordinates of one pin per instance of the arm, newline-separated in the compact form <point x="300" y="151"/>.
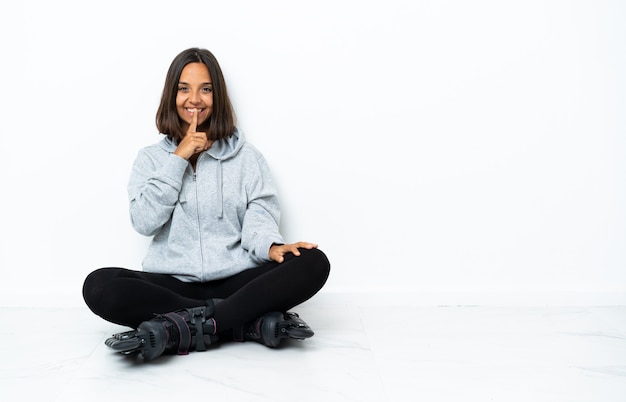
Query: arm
<point x="155" y="185"/>
<point x="261" y="235"/>
<point x="153" y="191"/>
<point x="260" y="229"/>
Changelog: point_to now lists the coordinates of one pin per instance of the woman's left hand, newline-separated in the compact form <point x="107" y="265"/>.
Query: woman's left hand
<point x="278" y="251"/>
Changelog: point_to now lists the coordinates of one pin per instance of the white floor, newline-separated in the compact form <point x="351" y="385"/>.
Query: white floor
<point x="360" y="352"/>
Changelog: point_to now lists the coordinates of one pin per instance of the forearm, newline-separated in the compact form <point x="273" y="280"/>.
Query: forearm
<point x="153" y="194"/>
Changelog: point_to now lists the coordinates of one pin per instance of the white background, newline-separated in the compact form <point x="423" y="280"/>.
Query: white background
<point x="466" y="150"/>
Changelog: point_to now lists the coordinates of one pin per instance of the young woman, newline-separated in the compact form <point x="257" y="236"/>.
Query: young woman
<point x="217" y="267"/>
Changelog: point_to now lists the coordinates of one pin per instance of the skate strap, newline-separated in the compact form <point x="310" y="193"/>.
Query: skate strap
<point x="197" y="318"/>
<point x="184" y="334"/>
<point x="210" y="306"/>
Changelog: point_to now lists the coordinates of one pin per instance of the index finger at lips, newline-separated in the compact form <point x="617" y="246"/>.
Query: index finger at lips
<point x="194" y="122"/>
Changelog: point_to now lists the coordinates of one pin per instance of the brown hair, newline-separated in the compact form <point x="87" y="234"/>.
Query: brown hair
<point x="221" y="123"/>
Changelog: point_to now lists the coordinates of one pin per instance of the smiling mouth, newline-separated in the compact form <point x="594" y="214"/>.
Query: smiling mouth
<point x="192" y="109"/>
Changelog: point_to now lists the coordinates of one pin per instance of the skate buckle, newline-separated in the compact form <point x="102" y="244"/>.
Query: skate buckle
<point x="194" y="313"/>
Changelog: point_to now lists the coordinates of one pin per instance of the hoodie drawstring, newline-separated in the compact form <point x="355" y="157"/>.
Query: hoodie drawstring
<point x="220" y="198"/>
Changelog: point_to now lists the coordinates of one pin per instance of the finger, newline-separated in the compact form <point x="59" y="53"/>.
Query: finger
<point x="279" y="257"/>
<point x="301" y="244"/>
<point x="194" y="122"/>
<point x="275" y="254"/>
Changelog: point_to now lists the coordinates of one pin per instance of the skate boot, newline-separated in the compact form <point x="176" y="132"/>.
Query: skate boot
<point x="176" y="332"/>
<point x="271" y="328"/>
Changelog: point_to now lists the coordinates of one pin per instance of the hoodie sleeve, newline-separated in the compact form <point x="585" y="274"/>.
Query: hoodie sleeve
<point x="261" y="221"/>
<point x="153" y="191"/>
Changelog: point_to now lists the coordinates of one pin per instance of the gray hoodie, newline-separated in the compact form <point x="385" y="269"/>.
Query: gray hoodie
<point x="210" y="224"/>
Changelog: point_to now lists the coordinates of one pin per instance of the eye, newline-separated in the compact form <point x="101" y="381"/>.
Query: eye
<point x="207" y="90"/>
<point x="183" y="89"/>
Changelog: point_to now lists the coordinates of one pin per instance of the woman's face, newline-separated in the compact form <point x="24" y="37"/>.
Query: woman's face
<point x="195" y="92"/>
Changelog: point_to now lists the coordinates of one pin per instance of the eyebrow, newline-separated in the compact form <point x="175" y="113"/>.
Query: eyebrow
<point x="186" y="83"/>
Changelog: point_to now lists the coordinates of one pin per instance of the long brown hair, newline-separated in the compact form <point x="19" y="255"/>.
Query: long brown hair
<point x="221" y="123"/>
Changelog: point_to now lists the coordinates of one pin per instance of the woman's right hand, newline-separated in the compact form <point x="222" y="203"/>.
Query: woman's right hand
<point x="193" y="142"/>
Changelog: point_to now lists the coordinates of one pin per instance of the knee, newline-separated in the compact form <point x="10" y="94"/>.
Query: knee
<point x="318" y="263"/>
<point x="93" y="286"/>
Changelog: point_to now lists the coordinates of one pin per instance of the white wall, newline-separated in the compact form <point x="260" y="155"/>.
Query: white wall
<point x="451" y="148"/>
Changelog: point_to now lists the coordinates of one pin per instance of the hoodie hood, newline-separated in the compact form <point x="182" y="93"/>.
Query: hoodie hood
<point x="221" y="150"/>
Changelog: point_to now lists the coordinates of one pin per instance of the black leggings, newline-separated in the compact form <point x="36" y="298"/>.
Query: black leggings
<point x="128" y="297"/>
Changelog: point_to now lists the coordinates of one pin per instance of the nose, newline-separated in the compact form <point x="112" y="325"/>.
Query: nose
<point x="194" y="97"/>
